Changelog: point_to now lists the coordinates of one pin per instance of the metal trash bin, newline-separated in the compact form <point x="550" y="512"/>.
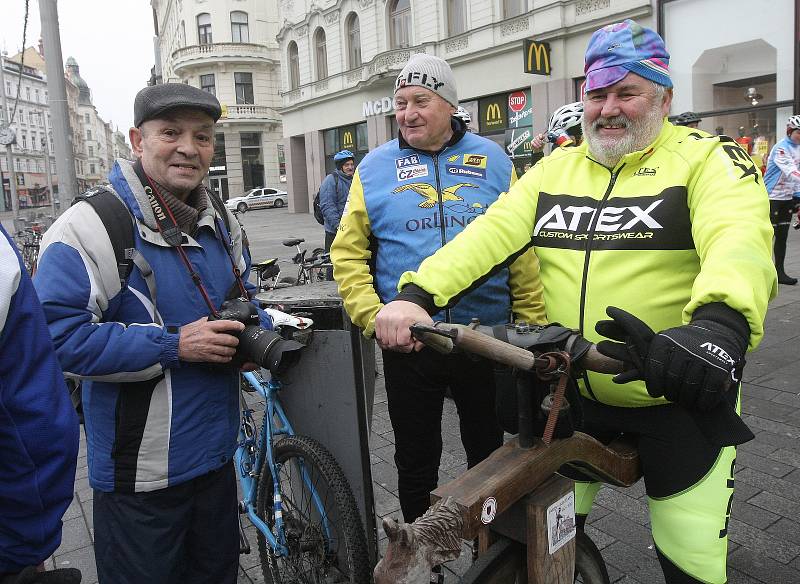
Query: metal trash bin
<point x="329" y="395"/>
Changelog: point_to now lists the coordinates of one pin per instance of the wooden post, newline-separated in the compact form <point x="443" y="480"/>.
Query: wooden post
<point x="551" y="532"/>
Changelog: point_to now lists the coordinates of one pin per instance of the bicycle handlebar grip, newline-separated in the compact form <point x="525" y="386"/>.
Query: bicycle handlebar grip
<point x="595" y="361"/>
<point x="476" y="342"/>
<point x="424" y="333"/>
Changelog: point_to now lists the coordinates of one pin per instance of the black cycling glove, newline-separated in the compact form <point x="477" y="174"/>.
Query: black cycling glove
<point x="692" y="365"/>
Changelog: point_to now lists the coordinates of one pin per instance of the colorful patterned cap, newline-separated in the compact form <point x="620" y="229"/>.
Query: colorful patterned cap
<point x="619" y="48"/>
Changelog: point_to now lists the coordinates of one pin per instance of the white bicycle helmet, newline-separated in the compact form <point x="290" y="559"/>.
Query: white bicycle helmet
<point x="793" y="122"/>
<point x="566" y="117"/>
<point x="462" y="115"/>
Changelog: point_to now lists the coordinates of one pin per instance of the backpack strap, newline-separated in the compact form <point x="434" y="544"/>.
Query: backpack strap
<point x="118" y="221"/>
<point x="219" y="207"/>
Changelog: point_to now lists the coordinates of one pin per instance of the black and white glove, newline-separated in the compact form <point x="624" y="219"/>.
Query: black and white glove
<point x="693" y="365"/>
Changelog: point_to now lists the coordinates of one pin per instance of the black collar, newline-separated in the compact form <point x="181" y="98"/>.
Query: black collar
<point x="459" y="129"/>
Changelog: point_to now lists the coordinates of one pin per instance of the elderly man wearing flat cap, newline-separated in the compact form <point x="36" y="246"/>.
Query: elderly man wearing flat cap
<point x="407" y="199"/>
<point x="666" y="230"/>
<point x="160" y="404"/>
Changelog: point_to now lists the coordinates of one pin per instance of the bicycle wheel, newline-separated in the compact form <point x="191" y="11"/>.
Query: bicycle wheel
<point x="319" y="552"/>
<point x="506" y="558"/>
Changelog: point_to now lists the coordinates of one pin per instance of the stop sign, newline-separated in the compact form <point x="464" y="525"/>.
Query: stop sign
<point x="516" y="101"/>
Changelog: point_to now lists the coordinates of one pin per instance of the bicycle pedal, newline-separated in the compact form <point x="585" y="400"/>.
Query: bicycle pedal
<point x="244" y="544"/>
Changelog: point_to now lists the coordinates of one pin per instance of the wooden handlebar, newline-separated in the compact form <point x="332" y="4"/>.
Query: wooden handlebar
<point x="445" y="337"/>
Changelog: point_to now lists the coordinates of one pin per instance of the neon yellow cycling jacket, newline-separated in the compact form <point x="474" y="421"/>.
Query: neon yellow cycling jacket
<point x="681" y="224"/>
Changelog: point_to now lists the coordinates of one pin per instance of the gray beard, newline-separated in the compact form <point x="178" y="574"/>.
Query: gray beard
<point x="640" y="133"/>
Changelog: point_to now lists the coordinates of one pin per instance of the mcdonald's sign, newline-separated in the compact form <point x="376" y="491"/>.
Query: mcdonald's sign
<point x="347" y="138"/>
<point x="493" y="112"/>
<point x="537" y="57"/>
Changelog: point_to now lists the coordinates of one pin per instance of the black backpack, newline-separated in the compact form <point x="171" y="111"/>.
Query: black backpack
<point x="317" y="209"/>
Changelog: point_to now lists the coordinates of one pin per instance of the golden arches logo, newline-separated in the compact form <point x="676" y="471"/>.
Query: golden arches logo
<point x="493" y="115"/>
<point x="537" y="54"/>
<point x="347" y="140"/>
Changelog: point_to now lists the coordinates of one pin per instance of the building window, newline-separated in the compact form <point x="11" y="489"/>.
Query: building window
<point x="91" y="169"/>
<point x="88" y="134"/>
<point x="353" y="41"/>
<point x="24" y="141"/>
<point x="91" y="151"/>
<point x="207" y="83"/>
<point x="400" y="23"/>
<point x="294" y="66"/>
<point x="281" y="163"/>
<point x="36" y="95"/>
<point x="514" y="7"/>
<point x="244" y="87"/>
<point x="456" y="17"/>
<point x="204" y="29"/>
<point x="252" y="162"/>
<point x="28" y="93"/>
<point x="239" y="30"/>
<point x="321" y="53"/>
<point x="86" y="117"/>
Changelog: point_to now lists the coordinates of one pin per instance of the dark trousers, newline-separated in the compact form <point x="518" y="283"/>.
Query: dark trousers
<point x="781" y="215"/>
<point x="415" y="388"/>
<point x="185" y="533"/>
<point x="329" y="237"/>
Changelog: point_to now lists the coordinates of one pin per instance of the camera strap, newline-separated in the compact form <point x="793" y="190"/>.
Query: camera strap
<point x="171" y="232"/>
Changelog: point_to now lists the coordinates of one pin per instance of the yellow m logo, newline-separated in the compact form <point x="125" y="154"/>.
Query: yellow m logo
<point x="537" y="57"/>
<point x="347" y="141"/>
<point x="493" y="113"/>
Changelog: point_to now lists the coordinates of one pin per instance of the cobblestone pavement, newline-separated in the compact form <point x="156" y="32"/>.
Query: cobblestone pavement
<point x="765" y="525"/>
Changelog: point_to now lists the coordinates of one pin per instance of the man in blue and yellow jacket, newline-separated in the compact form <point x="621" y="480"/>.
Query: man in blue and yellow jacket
<point x="408" y="198"/>
<point x="671" y="225"/>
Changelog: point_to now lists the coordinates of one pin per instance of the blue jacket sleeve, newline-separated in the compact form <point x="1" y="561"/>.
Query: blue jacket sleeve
<point x="328" y="202"/>
<point x="38" y="425"/>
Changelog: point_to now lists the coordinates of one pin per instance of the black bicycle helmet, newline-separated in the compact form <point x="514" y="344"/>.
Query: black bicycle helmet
<point x="687" y="118"/>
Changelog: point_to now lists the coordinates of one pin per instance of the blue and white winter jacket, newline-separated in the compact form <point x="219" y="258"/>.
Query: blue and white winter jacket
<point x="152" y="421"/>
<point x="782" y="177"/>
<point x="38" y="425"/>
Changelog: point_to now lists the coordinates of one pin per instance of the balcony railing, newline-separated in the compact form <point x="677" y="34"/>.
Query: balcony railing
<point x="250" y="112"/>
<point x="228" y="52"/>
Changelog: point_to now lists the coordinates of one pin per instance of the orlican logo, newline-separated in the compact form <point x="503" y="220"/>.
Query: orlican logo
<point x="429" y="194"/>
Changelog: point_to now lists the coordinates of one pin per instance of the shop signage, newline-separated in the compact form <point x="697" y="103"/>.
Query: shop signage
<point x="493" y="113"/>
<point x="217" y="169"/>
<point x="474" y="113"/>
<point x="376" y="107"/>
<point x="518" y="142"/>
<point x="520" y="109"/>
<point x="348" y="138"/>
<point x="537" y="57"/>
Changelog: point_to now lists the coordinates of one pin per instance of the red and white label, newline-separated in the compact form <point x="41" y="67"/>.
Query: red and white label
<point x="517" y="101"/>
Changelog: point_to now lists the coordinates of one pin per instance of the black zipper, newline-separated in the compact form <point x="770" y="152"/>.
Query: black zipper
<point x="442" y="229"/>
<point x="589" y="239"/>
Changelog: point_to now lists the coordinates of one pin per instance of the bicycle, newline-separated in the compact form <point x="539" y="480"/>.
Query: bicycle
<point x="28" y="241"/>
<point x="270" y="275"/>
<point x="296" y="495"/>
<point x="514" y="489"/>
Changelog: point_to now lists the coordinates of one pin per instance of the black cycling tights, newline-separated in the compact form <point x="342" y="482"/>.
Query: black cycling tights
<point x="781" y="235"/>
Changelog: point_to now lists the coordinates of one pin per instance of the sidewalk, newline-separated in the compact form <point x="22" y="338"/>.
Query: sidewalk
<point x="764" y="542"/>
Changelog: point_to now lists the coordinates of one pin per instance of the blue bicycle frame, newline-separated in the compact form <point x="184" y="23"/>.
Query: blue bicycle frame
<point x="253" y="452"/>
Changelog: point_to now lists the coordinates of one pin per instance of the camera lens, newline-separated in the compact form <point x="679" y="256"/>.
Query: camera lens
<point x="268" y="349"/>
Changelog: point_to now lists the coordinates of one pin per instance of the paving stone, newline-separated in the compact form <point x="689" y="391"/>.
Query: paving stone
<point x="385" y="502"/>
<point x="789" y="398"/>
<point x="772" y="426"/>
<point x="629" y="507"/>
<point x="629" y="560"/>
<point x="784" y="488"/>
<point x="73" y="511"/>
<point x="377" y="441"/>
<point x="777" y="440"/>
<point x="757" y="447"/>
<point x="74" y="535"/>
<point x="82" y="559"/>
<point x="627" y="531"/>
<point x="385" y="475"/>
<point x="743" y="491"/>
<point x="754" y="395"/>
<point x="385" y="452"/>
<point x="786" y="528"/>
<point x="600" y="538"/>
<point x="762" y="542"/>
<point x="763" y="464"/>
<point x="753" y="515"/>
<point x="757" y="565"/>
<point x="776" y="504"/>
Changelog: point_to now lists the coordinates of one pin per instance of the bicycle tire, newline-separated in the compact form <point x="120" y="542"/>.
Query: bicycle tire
<point x="307" y="561"/>
<point x="502" y="561"/>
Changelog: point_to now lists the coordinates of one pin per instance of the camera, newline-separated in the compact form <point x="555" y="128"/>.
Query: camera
<point x="256" y="344"/>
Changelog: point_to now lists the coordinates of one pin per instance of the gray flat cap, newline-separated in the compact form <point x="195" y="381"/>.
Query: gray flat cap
<point x="154" y="100"/>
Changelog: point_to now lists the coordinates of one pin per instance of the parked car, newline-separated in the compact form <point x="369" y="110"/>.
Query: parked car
<point x="258" y="199"/>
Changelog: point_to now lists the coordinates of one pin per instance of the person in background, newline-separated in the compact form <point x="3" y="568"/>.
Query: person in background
<point x="38" y="433"/>
<point x="333" y="193"/>
<point x="564" y="129"/>
<point x="782" y="179"/>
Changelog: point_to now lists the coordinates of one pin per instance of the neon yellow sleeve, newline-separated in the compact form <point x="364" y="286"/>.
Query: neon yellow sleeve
<point x="488" y="242"/>
<point x="729" y="210"/>
<point x="350" y="255"/>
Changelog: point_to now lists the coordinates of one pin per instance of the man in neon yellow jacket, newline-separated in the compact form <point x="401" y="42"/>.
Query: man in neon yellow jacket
<point x="668" y="223"/>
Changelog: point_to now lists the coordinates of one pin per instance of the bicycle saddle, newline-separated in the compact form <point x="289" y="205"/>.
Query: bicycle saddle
<point x="263" y="264"/>
<point x="292" y="242"/>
